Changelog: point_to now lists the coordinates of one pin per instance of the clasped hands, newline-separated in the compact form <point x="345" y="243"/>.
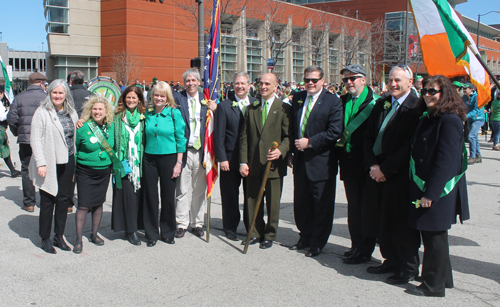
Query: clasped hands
<point x="376" y="174"/>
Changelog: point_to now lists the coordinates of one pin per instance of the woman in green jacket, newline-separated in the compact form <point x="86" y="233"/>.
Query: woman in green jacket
<point x="129" y="130"/>
<point x="94" y="143"/>
<point x="164" y="147"/>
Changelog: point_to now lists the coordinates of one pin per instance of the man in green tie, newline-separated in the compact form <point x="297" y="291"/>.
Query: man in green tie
<point x="386" y="152"/>
<point x="229" y="120"/>
<point x="266" y="121"/>
<point x="317" y="125"/>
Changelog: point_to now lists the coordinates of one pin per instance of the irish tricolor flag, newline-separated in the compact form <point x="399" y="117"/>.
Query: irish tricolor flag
<point x="447" y="47"/>
<point x="8" y="88"/>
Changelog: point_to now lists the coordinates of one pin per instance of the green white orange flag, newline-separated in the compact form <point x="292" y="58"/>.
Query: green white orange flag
<point x="447" y="47"/>
<point x="8" y="87"/>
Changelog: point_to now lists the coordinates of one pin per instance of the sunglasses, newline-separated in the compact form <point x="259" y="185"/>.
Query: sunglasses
<point x="352" y="79"/>
<point x="431" y="91"/>
<point x="314" y="80"/>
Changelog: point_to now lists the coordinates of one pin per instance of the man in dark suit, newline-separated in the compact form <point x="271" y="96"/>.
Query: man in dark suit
<point x="229" y="120"/>
<point x="358" y="104"/>
<point x="266" y="121"/>
<point x="317" y="125"/>
<point x="192" y="184"/>
<point x="387" y="145"/>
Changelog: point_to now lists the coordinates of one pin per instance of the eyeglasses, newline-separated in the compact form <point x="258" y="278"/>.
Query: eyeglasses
<point x="314" y="80"/>
<point x="431" y="91"/>
<point x="352" y="79"/>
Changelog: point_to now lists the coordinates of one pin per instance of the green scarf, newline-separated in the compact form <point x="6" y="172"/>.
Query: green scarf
<point x="351" y="110"/>
<point x="133" y="120"/>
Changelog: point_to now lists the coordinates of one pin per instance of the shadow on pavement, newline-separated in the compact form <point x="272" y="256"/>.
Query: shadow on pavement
<point x="14" y="194"/>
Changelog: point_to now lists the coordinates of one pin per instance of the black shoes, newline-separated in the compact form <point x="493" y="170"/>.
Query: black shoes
<point x="313" y="252"/>
<point x="96" y="240"/>
<point x="299" y="246"/>
<point x="151" y="243"/>
<point x="356" y="258"/>
<point x="418" y="291"/>
<point x="231" y="236"/>
<point x="399" y="279"/>
<point x="198" y="231"/>
<point x="179" y="233"/>
<point x="168" y="241"/>
<point x="59" y="242"/>
<point x="47" y="246"/>
<point x="350" y="252"/>
<point x="133" y="239"/>
<point x="252" y="241"/>
<point x="15" y="173"/>
<point x="266" y="244"/>
<point x="78" y="248"/>
<point x="384" y="268"/>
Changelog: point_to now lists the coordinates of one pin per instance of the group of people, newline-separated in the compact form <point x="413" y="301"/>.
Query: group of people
<point x="374" y="141"/>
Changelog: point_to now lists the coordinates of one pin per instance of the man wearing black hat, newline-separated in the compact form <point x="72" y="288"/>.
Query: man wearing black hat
<point x="19" y="119"/>
<point x="358" y="104"/>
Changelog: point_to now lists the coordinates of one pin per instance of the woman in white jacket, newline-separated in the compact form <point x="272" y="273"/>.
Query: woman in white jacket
<point x="52" y="164"/>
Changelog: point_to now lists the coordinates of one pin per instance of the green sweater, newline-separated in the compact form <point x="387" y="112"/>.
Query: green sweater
<point x="88" y="150"/>
<point x="495" y="110"/>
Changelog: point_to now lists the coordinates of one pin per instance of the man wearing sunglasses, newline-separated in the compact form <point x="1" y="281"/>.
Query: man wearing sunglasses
<point x="317" y="125"/>
<point x="387" y="145"/>
<point x="358" y="104"/>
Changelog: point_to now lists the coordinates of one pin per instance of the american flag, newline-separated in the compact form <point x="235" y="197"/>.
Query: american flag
<point x="211" y="91"/>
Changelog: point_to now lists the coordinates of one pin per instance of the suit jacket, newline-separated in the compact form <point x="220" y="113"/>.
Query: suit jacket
<point x="256" y="140"/>
<point x="323" y="129"/>
<point x="351" y="163"/>
<point x="229" y="122"/>
<point x="437" y="152"/>
<point x="182" y="101"/>
<point x="396" y="140"/>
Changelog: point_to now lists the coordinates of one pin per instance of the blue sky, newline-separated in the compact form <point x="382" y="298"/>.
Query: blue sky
<point x="22" y="23"/>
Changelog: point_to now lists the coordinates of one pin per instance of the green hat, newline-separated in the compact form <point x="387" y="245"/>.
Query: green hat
<point x="458" y="84"/>
<point x="154" y="79"/>
<point x="301" y="83"/>
<point x="418" y="78"/>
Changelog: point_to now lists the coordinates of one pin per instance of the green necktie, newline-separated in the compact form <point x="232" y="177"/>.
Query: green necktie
<point x="264" y="113"/>
<point x="377" y="147"/>
<point x="306" y="117"/>
<point x="197" y="142"/>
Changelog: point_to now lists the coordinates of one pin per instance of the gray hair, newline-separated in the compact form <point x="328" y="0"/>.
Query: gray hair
<point x="313" y="68"/>
<point x="77" y="77"/>
<point x="191" y="71"/>
<point x="407" y="70"/>
<point x="241" y="74"/>
<point x="68" y="104"/>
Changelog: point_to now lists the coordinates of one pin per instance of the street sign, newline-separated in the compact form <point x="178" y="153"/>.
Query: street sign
<point x="270" y="63"/>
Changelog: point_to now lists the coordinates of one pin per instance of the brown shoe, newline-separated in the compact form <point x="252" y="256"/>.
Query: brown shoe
<point x="29" y="208"/>
<point x="198" y="231"/>
<point x="70" y="209"/>
<point x="479" y="159"/>
<point x="497" y="147"/>
<point x="179" y="233"/>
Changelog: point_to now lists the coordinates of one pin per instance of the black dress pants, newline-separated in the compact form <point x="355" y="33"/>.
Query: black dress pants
<point x="230" y="182"/>
<point x="125" y="207"/>
<point x="60" y="201"/>
<point x="313" y="206"/>
<point x="29" y="193"/>
<point x="403" y="258"/>
<point x="354" y="194"/>
<point x="436" y="270"/>
<point x="161" y="166"/>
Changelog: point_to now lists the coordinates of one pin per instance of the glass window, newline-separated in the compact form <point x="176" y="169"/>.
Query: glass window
<point x="57" y="14"/>
<point x="63" y="3"/>
<point x="58" y="28"/>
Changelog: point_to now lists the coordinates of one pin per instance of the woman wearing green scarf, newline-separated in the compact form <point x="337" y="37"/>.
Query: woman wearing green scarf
<point x="129" y="131"/>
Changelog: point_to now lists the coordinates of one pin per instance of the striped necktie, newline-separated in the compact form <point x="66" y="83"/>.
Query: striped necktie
<point x="306" y="116"/>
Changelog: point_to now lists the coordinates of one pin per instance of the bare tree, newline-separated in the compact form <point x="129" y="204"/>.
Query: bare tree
<point x="126" y="64"/>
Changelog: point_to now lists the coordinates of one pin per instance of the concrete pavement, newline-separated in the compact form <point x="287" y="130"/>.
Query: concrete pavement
<point x="193" y="272"/>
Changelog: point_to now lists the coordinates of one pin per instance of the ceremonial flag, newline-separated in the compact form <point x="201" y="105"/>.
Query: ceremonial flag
<point x="447" y="47"/>
<point x="210" y="91"/>
<point x="383" y="86"/>
<point x="8" y="87"/>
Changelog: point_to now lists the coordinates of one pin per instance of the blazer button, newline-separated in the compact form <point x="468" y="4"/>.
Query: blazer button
<point x="421" y="160"/>
<point x="424" y="139"/>
<point x="156" y="125"/>
<point x="155" y="134"/>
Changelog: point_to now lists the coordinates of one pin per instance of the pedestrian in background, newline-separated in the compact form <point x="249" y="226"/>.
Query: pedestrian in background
<point x="4" y="140"/>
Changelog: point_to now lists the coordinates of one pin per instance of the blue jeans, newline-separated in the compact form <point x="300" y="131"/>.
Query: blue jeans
<point x="495" y="126"/>
<point x="474" y="148"/>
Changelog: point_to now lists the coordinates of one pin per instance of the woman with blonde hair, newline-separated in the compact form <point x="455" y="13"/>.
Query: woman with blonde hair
<point x="52" y="164"/>
<point x="129" y="147"/>
<point x="94" y="157"/>
<point x="164" y="146"/>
